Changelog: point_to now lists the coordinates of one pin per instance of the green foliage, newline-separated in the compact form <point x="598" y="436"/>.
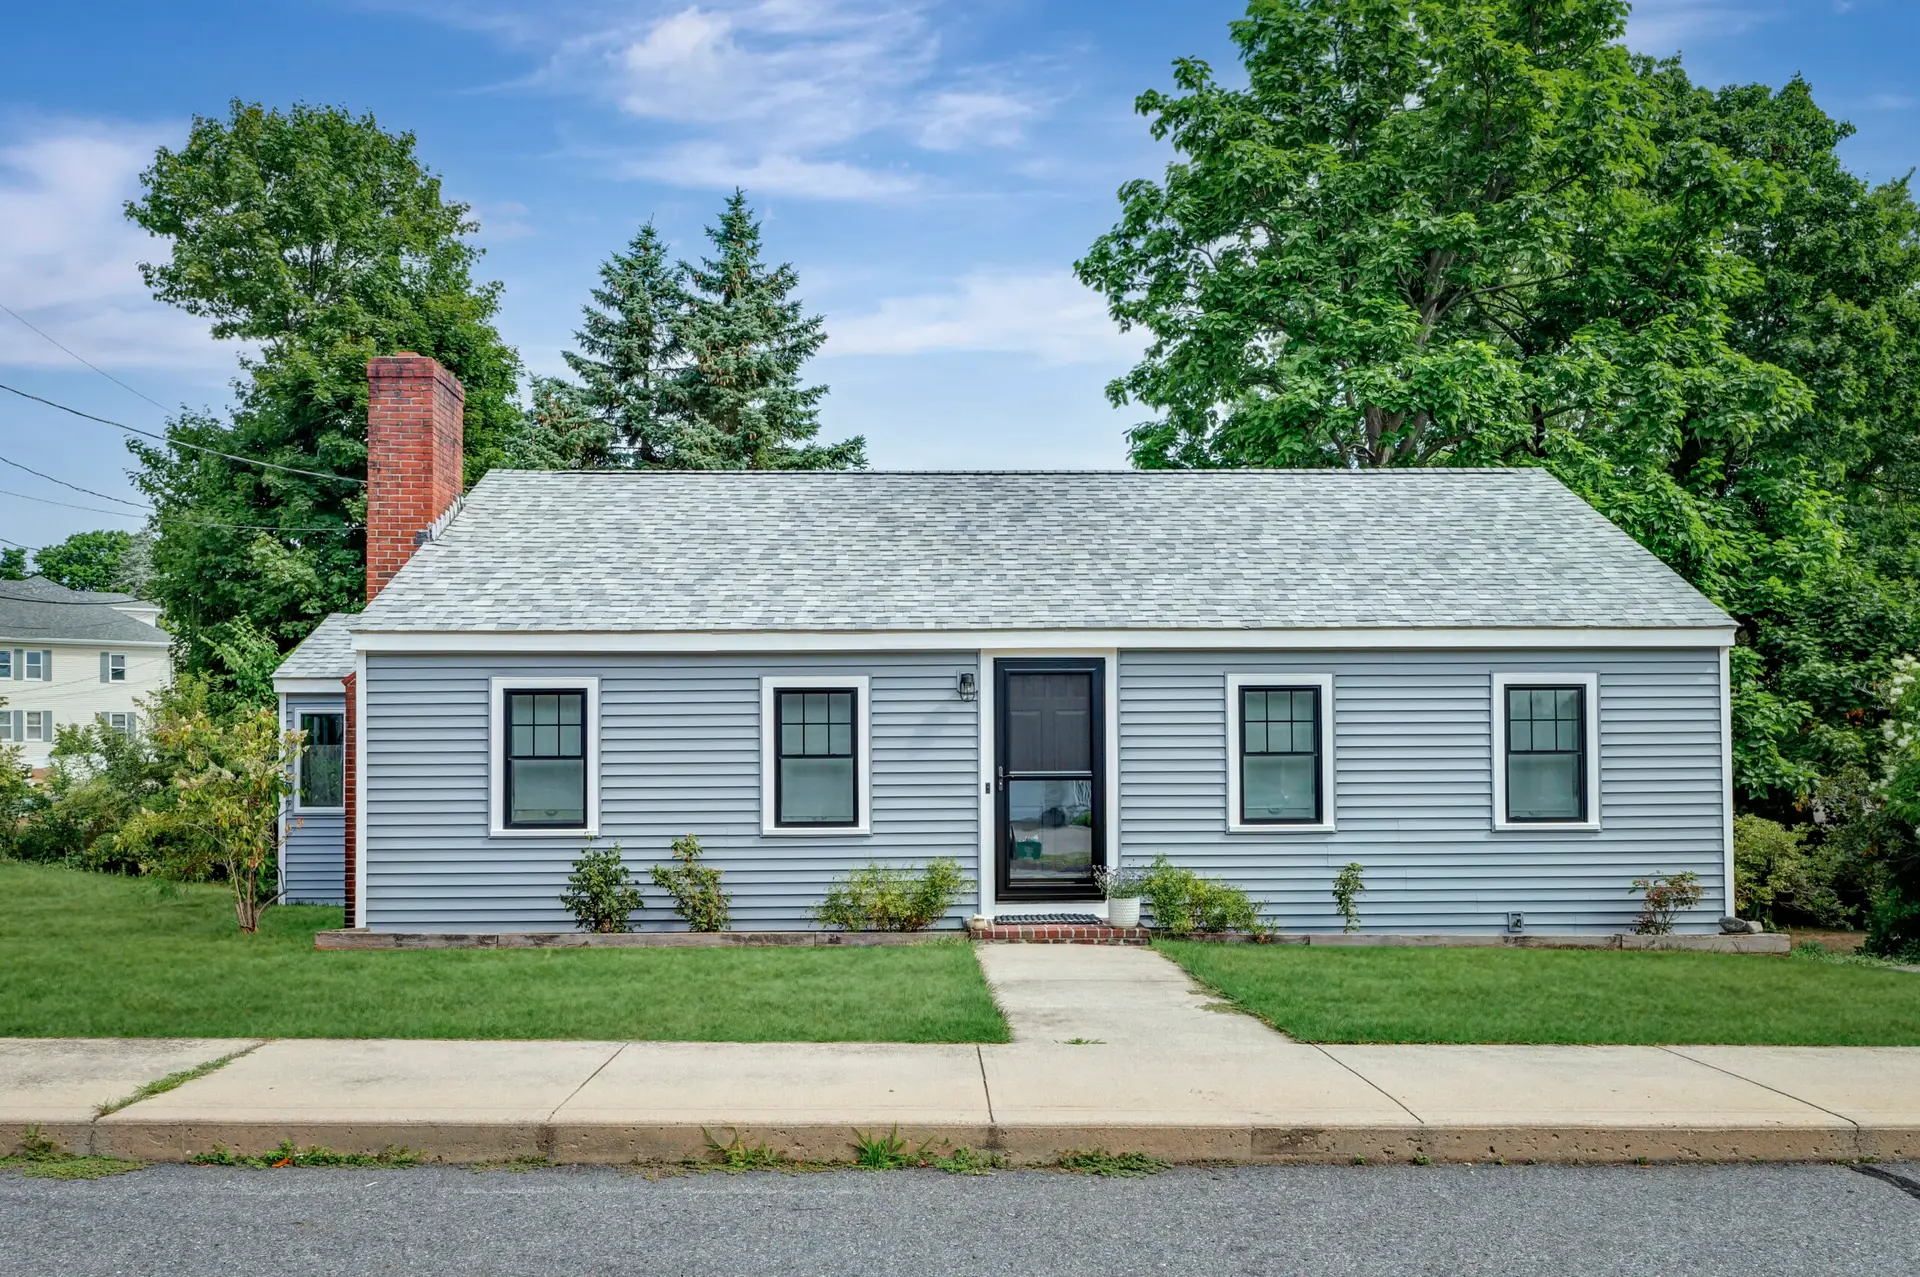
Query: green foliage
<point x="1893" y="927"/>
<point x="1662" y="896"/>
<point x="695" y="888"/>
<point x="85" y="560"/>
<point x="1777" y="875"/>
<point x="321" y="238"/>
<point x="171" y="1082"/>
<point x="735" y="1155"/>
<point x="600" y="893"/>
<point x="631" y="353"/>
<point x="18" y="795"/>
<point x="13" y="563"/>
<point x="287" y="1154"/>
<point x="1119" y="884"/>
<point x="883" y="898"/>
<point x="1348" y="885"/>
<point x="1183" y="902"/>
<point x="967" y="1161"/>
<point x="888" y="1152"/>
<point x="39" y="1157"/>
<point x="1098" y="1161"/>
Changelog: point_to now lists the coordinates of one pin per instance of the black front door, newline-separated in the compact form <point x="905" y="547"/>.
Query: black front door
<point x="1050" y="752"/>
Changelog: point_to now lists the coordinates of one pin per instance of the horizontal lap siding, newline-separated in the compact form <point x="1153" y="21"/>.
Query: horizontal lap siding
<point x="313" y="855"/>
<point x="679" y="754"/>
<point x="1414" y="788"/>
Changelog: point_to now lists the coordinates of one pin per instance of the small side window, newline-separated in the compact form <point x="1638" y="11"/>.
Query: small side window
<point x="39" y="724"/>
<point x="36" y="664"/>
<point x="321" y="783"/>
<point x="116" y="667"/>
<point x="1544" y="738"/>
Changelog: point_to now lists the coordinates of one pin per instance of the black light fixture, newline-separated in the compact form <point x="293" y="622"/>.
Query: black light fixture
<point x="969" y="686"/>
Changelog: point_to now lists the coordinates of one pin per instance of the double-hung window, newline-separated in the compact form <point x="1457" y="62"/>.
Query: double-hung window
<point x="113" y="667"/>
<point x="37" y="664"/>
<point x="119" y="721"/>
<point x="546" y="756"/>
<point x="1546" y="772"/>
<point x="39" y="724"/>
<point x="322" y="779"/>
<point x="1280" y="753"/>
<point x="814" y="752"/>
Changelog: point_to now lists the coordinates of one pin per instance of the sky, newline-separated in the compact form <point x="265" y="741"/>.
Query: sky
<point x="931" y="170"/>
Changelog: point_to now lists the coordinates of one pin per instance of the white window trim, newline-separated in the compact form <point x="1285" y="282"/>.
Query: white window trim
<point x="46" y="727"/>
<point x="116" y="673"/>
<point x="1557" y="678"/>
<point x="298" y="712"/>
<point x="1236" y="737"/>
<point x="497" y="748"/>
<point x="863" y="756"/>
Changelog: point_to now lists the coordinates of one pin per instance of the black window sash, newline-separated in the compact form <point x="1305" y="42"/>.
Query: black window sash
<point x="1579" y="751"/>
<point x="1243" y="753"/>
<point x="509" y="758"/>
<point x="306" y="748"/>
<point x="780" y="754"/>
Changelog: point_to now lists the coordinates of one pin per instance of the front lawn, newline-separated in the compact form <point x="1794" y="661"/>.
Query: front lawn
<point x="91" y="955"/>
<point x="1557" y="995"/>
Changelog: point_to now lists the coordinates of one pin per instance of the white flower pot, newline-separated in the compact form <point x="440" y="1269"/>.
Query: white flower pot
<point x="1124" y="913"/>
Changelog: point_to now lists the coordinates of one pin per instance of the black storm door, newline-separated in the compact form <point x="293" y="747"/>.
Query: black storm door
<point x="1050" y="752"/>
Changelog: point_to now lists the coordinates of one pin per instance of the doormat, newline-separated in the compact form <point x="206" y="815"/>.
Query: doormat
<point x="1047" y="920"/>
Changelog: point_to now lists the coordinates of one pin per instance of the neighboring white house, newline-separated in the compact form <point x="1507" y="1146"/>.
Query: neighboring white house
<point x="70" y="656"/>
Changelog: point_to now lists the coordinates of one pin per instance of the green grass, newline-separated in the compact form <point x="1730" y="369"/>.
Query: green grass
<point x="1549" y="995"/>
<point x="92" y="955"/>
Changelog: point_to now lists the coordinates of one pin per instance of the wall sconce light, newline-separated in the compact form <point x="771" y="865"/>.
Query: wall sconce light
<point x="969" y="686"/>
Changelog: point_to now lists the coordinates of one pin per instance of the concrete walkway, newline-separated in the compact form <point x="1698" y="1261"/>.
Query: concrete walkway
<point x="1112" y="1047"/>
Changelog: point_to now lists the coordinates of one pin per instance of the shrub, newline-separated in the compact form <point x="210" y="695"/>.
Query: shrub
<point x="1662" y="897"/>
<point x="695" y="888"/>
<point x="1119" y="884"/>
<point x="882" y="898"/>
<point x="600" y="893"/>
<point x="1347" y="888"/>
<point x="1775" y="872"/>
<point x="1183" y="902"/>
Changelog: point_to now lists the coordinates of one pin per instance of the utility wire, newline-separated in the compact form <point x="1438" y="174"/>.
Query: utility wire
<point x="181" y="443"/>
<point x="198" y="523"/>
<point x="88" y="362"/>
<point x="76" y="487"/>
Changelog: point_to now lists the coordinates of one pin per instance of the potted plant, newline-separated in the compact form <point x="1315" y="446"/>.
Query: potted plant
<point x="1122" y="888"/>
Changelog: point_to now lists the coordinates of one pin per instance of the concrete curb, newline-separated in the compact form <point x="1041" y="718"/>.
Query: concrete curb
<point x="1021" y="1144"/>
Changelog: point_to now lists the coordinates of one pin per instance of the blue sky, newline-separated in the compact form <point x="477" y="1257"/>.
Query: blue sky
<point x="932" y="170"/>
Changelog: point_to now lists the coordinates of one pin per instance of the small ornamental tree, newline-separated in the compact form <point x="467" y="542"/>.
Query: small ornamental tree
<point x="230" y="775"/>
<point x="1662" y="896"/>
<point x="695" y="888"/>
<point x="1348" y="887"/>
<point x="600" y="893"/>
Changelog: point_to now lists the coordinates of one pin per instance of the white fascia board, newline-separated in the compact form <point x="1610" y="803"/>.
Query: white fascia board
<point x="1039" y="641"/>
<point x="310" y="686"/>
<point x="101" y="645"/>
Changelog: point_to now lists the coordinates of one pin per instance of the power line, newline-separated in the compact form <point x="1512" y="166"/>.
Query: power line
<point x="76" y="487"/>
<point x="181" y="443"/>
<point x="178" y="518"/>
<point x="89" y="363"/>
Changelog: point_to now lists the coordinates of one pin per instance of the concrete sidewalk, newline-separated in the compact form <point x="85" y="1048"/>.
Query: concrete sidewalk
<point x="1113" y="1048"/>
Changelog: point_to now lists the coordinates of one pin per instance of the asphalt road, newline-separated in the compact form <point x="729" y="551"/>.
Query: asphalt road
<point x="184" y="1221"/>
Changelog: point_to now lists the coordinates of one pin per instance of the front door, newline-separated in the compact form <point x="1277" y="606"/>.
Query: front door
<point x="1049" y="755"/>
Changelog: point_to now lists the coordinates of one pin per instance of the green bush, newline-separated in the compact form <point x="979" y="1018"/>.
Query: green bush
<point x="600" y="893"/>
<point x="1893" y="928"/>
<point x="882" y="898"/>
<point x="1662" y="896"/>
<point x="1183" y="902"/>
<point x="1775" y="873"/>
<point x="695" y="888"/>
<point x="1348" y="886"/>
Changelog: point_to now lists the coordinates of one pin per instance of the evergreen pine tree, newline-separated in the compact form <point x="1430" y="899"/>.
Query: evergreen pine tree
<point x="629" y="353"/>
<point x="739" y="395"/>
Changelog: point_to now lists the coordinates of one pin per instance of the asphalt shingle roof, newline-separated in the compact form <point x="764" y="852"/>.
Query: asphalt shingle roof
<point x="326" y="651"/>
<point x="680" y="551"/>
<point x="40" y="610"/>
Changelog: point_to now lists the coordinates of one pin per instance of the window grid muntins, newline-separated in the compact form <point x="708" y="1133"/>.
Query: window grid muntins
<point x="817" y="777"/>
<point x="1280" y="755"/>
<point x="546" y="759"/>
<point x="323" y="761"/>
<point x="1546" y="754"/>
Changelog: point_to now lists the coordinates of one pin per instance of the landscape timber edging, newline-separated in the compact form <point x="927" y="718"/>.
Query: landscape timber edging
<point x="360" y="938"/>
<point x="1774" y="943"/>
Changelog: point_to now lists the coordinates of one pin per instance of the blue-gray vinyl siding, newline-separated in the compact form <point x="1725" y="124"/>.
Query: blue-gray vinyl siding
<point x="313" y="850"/>
<point x="1413" y="736"/>
<point x="679" y="754"/>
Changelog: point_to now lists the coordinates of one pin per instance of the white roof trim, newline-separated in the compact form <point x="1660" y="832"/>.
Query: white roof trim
<point x="1347" y="639"/>
<point x="309" y="686"/>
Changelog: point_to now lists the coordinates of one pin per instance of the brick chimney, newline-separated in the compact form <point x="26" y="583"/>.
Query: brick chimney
<point x="414" y="411"/>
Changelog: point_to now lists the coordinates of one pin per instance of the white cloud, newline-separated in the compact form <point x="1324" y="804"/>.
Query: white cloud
<point x="703" y="165"/>
<point x="1662" y="27"/>
<point x="955" y="120"/>
<point x="69" y="258"/>
<point x="1049" y="315"/>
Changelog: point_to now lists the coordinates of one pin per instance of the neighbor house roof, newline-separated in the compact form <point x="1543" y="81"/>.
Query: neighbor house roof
<point x="863" y="551"/>
<point x="326" y="652"/>
<point x="39" y="610"/>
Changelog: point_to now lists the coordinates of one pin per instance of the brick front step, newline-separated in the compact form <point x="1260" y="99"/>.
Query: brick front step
<point x="1057" y="933"/>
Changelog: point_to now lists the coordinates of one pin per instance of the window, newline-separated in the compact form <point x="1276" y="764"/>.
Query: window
<point x="10" y="727"/>
<point x="38" y="664"/>
<point x="6" y="662"/>
<point x="1279" y="753"/>
<point x="39" y="724"/>
<point x="1545" y="770"/>
<point x="321" y="783"/>
<point x="113" y="667"/>
<point x="546" y="756"/>
<point x="815" y="755"/>
<point x="118" y="721"/>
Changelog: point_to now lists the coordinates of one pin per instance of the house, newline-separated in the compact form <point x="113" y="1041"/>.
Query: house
<point x="74" y="656"/>
<point x="1468" y="681"/>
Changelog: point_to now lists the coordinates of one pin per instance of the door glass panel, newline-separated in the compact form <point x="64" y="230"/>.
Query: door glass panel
<point x="1050" y="722"/>
<point x="1050" y="828"/>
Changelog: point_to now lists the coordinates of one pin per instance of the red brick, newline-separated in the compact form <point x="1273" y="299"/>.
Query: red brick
<point x="415" y="409"/>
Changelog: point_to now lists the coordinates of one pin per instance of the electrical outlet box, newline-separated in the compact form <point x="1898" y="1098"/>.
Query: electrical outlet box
<point x="1516" y="923"/>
